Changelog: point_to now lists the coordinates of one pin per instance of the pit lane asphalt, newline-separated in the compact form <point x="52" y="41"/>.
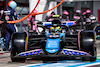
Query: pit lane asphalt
<point x="5" y="61"/>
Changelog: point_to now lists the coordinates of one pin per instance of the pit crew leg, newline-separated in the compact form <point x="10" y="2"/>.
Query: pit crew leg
<point x="7" y="36"/>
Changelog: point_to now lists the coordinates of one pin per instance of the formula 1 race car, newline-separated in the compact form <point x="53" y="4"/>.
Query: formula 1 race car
<point x="54" y="43"/>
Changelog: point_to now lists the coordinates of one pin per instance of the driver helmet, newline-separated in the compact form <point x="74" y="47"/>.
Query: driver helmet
<point x="57" y="29"/>
<point x="12" y="4"/>
<point x="52" y="29"/>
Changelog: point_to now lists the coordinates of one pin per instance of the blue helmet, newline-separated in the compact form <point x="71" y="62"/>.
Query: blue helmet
<point x="12" y="4"/>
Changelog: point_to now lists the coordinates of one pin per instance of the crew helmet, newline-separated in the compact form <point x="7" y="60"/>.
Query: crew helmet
<point x="78" y="11"/>
<point x="35" y="11"/>
<point x="12" y="4"/>
<point x="66" y="13"/>
<point x="88" y="11"/>
<point x="84" y="13"/>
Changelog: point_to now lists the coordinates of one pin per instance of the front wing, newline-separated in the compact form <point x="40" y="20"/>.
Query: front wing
<point x="65" y="54"/>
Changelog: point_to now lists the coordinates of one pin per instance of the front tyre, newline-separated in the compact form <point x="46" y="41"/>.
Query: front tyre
<point x="18" y="46"/>
<point x="88" y="44"/>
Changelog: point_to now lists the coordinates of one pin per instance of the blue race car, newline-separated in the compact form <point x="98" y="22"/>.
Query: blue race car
<point x="54" y="43"/>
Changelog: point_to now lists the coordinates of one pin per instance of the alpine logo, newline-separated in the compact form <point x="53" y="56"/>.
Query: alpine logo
<point x="7" y="17"/>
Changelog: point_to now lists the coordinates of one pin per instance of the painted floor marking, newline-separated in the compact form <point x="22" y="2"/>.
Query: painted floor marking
<point x="5" y="59"/>
<point x="81" y="64"/>
<point x="90" y="65"/>
<point x="66" y="63"/>
<point x="31" y="65"/>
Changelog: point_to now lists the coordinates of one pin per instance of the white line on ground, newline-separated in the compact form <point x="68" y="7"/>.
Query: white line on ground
<point x="89" y="65"/>
<point x="30" y="65"/>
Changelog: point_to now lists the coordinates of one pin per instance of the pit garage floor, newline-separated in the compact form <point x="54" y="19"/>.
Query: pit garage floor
<point x="5" y="61"/>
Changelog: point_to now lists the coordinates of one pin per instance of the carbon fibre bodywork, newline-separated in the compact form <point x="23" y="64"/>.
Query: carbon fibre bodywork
<point x="54" y="43"/>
